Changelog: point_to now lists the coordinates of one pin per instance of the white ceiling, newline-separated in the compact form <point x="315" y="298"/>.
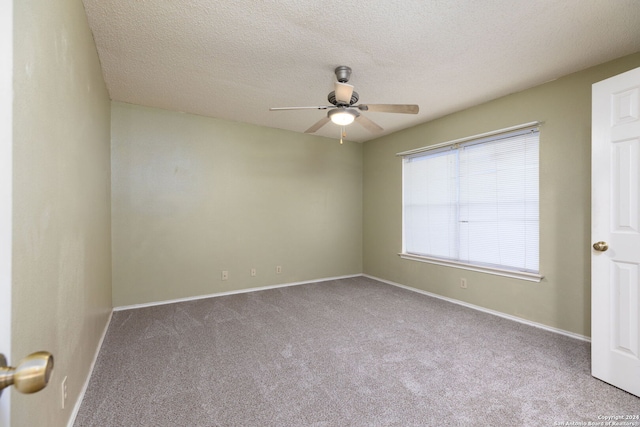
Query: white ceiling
<point x="235" y="59"/>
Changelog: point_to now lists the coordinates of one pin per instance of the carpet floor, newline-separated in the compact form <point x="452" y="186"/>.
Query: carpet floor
<point x="350" y="352"/>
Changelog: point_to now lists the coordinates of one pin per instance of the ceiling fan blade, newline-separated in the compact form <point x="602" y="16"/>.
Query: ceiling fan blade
<point x="368" y="124"/>
<point x="321" y="107"/>
<point x="323" y="121"/>
<point x="343" y="93"/>
<point x="390" y="108"/>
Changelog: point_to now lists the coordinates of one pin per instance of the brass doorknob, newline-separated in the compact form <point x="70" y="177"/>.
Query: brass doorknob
<point x="600" y="246"/>
<point x="31" y="375"/>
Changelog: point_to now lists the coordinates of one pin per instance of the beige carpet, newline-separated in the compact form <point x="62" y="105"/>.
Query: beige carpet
<point x="352" y="352"/>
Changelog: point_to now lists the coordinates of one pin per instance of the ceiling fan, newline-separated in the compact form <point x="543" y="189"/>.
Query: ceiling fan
<point x="343" y="110"/>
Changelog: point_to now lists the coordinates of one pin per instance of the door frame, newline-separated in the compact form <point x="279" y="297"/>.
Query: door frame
<point x="6" y="185"/>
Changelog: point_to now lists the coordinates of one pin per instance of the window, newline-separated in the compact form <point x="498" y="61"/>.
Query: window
<point x="474" y="203"/>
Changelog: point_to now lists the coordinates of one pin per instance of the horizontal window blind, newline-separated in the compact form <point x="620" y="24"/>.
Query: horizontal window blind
<point x="475" y="202"/>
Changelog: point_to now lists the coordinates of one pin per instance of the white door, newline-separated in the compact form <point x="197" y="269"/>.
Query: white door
<point x="6" y="174"/>
<point x="615" y="261"/>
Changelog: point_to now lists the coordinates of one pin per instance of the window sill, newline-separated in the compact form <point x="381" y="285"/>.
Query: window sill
<point x="531" y="277"/>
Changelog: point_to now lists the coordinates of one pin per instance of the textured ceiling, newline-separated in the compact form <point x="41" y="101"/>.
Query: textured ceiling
<point x="235" y="59"/>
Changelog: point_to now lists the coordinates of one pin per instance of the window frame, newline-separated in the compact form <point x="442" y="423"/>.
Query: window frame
<point x="471" y="140"/>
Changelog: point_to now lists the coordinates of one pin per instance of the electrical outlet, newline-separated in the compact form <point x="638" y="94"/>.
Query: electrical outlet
<point x="225" y="274"/>
<point x="463" y="283"/>
<point x="278" y="269"/>
<point x="63" y="393"/>
<point x="253" y="272"/>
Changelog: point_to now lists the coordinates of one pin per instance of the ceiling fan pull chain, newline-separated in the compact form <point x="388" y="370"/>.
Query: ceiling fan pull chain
<point x="343" y="134"/>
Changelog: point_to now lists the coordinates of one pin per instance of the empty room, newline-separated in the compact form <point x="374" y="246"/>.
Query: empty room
<point x="335" y="213"/>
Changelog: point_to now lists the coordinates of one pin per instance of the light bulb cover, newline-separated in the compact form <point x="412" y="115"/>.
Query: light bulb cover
<point x="343" y="116"/>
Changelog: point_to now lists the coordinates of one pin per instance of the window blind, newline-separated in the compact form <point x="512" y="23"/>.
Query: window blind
<point x="475" y="202"/>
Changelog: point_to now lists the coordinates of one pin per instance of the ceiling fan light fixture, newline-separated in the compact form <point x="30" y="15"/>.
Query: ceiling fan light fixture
<point x="343" y="116"/>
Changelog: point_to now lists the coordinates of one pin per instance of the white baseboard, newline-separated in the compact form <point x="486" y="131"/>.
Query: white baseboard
<point x="76" y="407"/>
<point x="240" y="291"/>
<point x="486" y="310"/>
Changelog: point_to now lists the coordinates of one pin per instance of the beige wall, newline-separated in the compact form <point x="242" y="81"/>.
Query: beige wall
<point x="192" y="196"/>
<point x="562" y="299"/>
<point x="61" y="215"/>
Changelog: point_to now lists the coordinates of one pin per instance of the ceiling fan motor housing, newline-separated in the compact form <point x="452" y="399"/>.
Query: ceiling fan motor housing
<point x="332" y="98"/>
